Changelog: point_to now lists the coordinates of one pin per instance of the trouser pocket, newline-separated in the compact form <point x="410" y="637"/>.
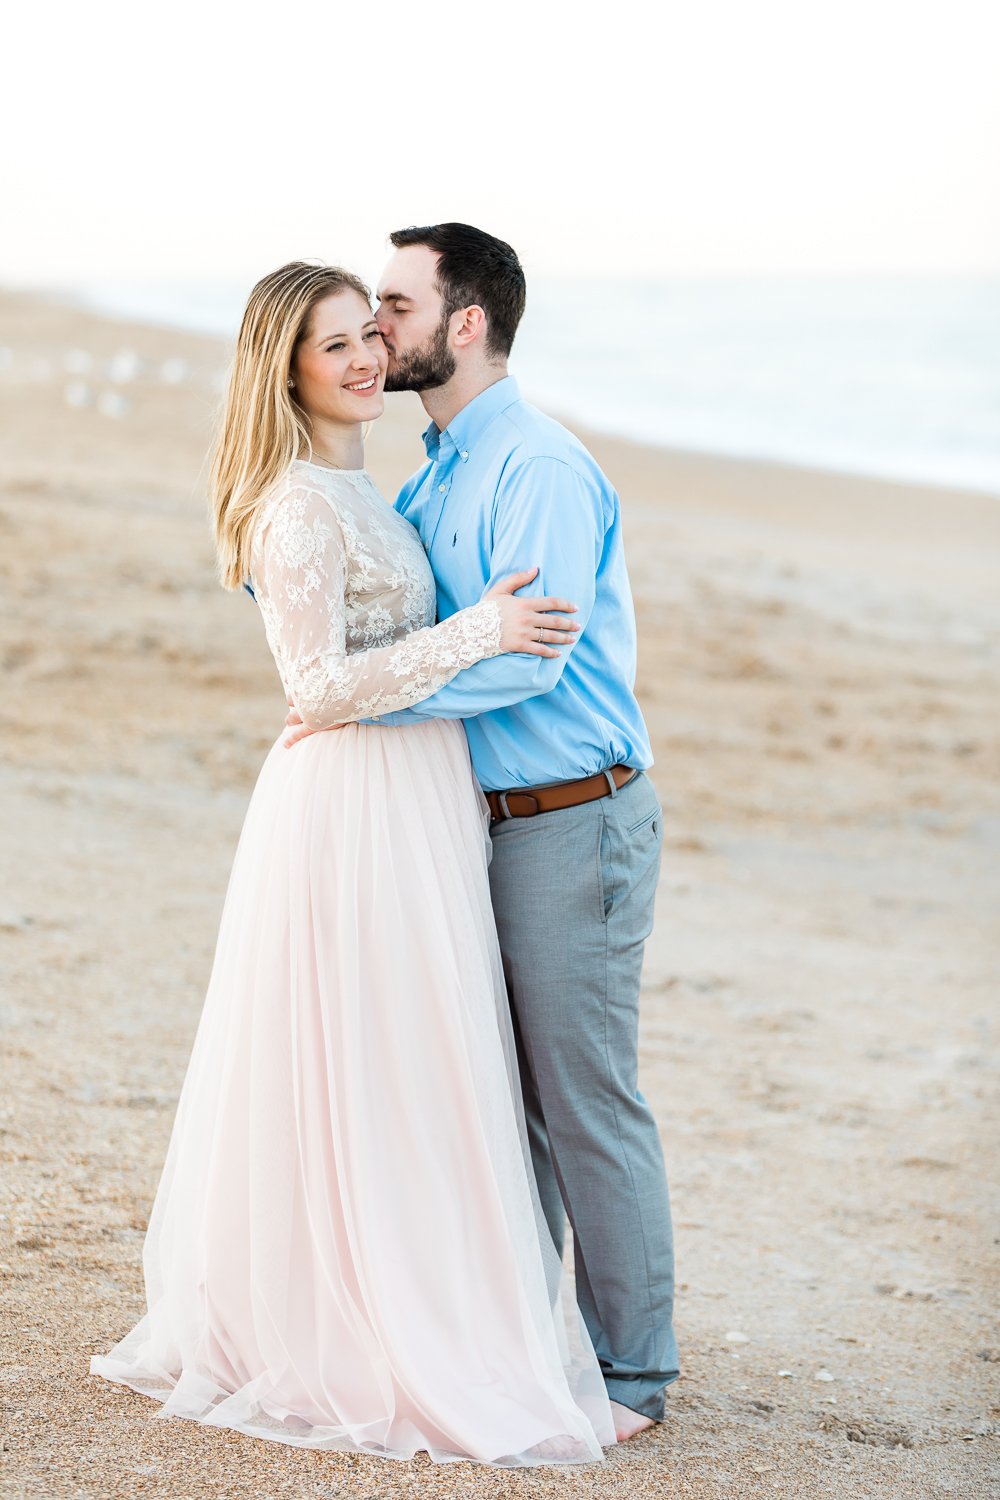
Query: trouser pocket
<point x="629" y="851"/>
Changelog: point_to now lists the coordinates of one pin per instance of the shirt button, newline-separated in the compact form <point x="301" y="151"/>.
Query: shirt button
<point x="442" y="488"/>
<point x="376" y="718"/>
<point x="465" y="452"/>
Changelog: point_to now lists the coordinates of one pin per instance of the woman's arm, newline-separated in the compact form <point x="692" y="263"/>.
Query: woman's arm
<point x="300" y="581"/>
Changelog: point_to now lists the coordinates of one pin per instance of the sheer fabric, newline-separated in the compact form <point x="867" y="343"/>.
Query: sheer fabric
<point x="349" y="602"/>
<point x="346" y="1248"/>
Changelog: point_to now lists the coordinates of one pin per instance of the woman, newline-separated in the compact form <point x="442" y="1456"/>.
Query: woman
<point x="346" y="1248"/>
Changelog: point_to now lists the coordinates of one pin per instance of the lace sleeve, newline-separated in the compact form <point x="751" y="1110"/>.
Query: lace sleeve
<point x="300" y="578"/>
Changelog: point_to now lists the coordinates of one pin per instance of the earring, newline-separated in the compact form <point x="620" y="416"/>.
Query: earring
<point x="290" y="384"/>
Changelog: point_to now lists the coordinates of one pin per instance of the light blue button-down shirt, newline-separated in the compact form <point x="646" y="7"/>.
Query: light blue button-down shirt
<point x="507" y="488"/>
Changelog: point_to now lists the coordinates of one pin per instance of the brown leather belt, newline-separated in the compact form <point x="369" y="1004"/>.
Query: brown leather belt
<point x="525" y="802"/>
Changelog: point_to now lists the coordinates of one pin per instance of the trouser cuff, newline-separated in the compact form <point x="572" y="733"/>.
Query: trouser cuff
<point x="638" y="1396"/>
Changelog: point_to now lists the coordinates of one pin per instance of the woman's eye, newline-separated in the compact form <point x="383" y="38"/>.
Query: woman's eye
<point x="374" y="333"/>
<point x="332" y="347"/>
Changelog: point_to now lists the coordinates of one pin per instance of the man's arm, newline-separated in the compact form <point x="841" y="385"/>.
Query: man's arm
<point x="551" y="516"/>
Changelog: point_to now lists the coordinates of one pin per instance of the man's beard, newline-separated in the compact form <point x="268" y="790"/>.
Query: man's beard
<point x="423" y="369"/>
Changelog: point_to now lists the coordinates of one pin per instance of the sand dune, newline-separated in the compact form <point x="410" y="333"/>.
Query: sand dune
<point x="819" y="662"/>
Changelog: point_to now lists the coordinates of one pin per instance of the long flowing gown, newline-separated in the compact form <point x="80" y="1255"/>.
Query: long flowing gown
<point x="346" y="1248"/>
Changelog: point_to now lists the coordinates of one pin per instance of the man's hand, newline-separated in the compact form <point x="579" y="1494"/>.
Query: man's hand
<point x="295" y="730"/>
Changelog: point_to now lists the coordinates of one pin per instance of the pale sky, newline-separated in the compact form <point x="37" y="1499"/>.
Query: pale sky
<point x="217" y="141"/>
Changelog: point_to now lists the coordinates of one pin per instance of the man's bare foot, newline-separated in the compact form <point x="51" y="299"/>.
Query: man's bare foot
<point x="628" y="1422"/>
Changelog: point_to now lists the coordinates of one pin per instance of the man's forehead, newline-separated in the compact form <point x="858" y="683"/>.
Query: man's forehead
<point x="409" y="274"/>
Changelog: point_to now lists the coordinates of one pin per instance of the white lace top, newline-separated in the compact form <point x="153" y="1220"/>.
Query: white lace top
<point x="348" y="600"/>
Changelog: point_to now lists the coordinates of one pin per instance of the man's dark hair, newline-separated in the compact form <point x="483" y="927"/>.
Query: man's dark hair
<point x="474" y="268"/>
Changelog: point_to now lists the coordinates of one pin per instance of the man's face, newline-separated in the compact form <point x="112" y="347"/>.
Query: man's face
<point x="410" y="316"/>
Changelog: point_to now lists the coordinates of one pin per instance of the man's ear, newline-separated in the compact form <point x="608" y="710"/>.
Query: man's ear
<point x="468" y="325"/>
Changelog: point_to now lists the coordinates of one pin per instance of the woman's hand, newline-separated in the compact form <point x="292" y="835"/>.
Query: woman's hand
<point x="534" y="627"/>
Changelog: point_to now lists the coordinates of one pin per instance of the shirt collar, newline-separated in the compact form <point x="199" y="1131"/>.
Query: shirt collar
<point x="472" y="421"/>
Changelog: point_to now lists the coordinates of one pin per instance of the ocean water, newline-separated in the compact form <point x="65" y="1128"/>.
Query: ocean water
<point x="889" y="376"/>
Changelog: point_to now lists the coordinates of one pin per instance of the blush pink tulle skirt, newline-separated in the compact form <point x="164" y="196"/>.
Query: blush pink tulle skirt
<point x="346" y="1249"/>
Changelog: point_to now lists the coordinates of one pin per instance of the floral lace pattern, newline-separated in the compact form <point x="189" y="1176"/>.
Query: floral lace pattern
<point x="348" y="601"/>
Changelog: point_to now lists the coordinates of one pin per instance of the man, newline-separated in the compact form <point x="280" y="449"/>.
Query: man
<point x="560" y="748"/>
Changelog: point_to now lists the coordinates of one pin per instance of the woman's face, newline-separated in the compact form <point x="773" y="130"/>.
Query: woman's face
<point x="339" y="366"/>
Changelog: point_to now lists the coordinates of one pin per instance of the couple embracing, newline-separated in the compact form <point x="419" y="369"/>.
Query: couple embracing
<point x="418" y="1050"/>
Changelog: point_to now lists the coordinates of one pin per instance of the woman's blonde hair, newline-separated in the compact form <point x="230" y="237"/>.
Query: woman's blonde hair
<point x="263" y="427"/>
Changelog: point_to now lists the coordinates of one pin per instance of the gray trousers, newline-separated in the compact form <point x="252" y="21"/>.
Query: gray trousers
<point x="573" y="894"/>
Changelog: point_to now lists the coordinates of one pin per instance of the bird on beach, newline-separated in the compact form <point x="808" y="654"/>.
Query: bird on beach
<point x="113" y="404"/>
<point x="123" y="367"/>
<point x="78" y="394"/>
<point x="174" y="371"/>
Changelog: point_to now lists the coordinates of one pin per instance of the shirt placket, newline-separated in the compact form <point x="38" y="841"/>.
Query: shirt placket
<point x="441" y="481"/>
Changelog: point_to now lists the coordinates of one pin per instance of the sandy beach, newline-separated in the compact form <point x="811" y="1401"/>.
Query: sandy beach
<point x="820" y="664"/>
